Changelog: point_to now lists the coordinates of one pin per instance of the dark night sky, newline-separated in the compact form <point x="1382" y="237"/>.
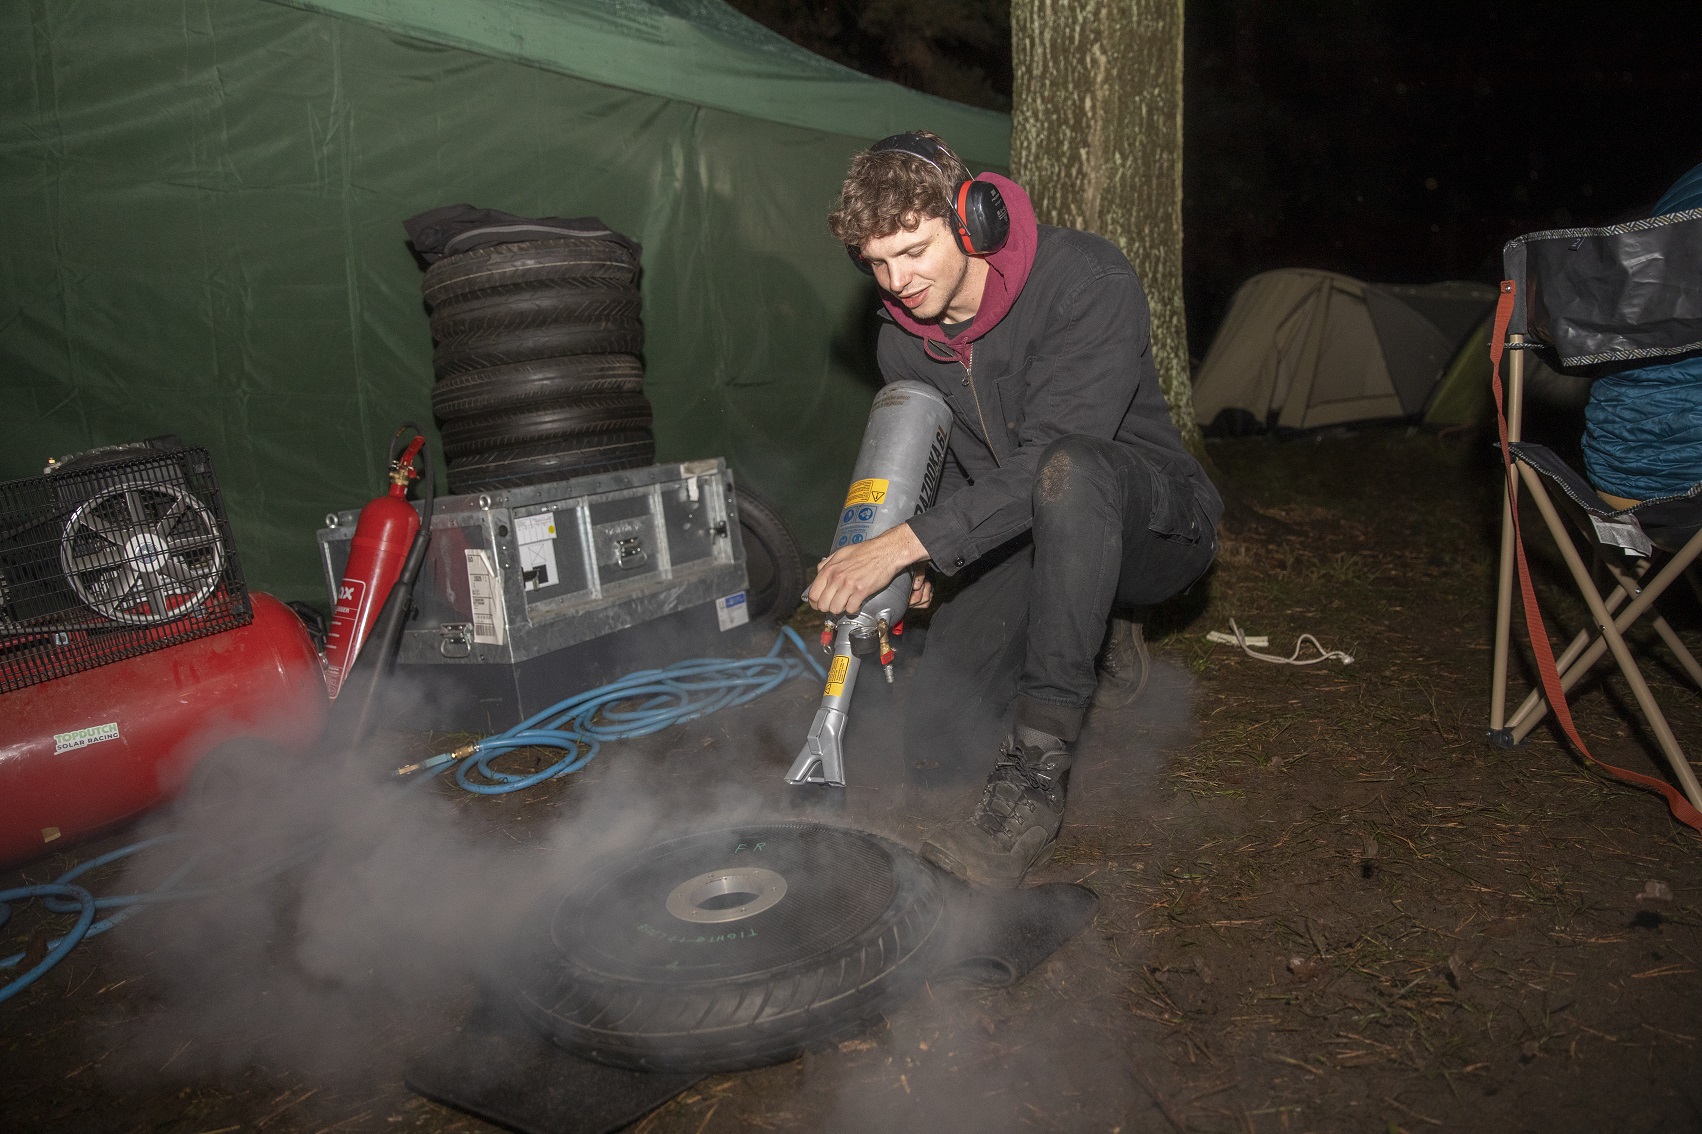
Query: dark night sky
<point x="1401" y="142"/>
<point x="1407" y="142"/>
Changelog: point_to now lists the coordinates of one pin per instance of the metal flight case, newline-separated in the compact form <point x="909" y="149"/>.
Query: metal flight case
<point x="529" y="595"/>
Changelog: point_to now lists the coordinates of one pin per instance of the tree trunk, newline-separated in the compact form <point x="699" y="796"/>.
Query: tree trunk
<point x="1096" y="139"/>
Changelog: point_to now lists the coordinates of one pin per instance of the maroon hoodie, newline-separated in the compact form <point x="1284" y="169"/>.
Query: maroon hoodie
<point x="1008" y="271"/>
<point x="1059" y="346"/>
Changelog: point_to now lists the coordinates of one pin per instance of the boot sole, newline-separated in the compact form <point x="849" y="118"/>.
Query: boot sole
<point x="940" y="857"/>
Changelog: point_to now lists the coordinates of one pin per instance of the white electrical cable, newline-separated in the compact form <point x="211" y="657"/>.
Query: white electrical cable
<point x="1224" y="638"/>
<point x="1247" y="643"/>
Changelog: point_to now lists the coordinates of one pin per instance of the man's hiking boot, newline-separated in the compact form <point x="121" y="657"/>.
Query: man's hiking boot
<point x="1016" y="824"/>
<point x="1123" y="664"/>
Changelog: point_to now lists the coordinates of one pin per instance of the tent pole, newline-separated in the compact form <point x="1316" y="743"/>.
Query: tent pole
<point x="1306" y="370"/>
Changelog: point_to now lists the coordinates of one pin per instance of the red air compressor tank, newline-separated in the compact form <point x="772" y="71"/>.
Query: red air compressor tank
<point x="82" y="752"/>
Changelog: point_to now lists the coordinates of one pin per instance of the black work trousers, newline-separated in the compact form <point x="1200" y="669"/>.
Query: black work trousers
<point x="1016" y="641"/>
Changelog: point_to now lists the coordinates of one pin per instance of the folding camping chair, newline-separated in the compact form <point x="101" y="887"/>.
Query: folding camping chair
<point x="1599" y="295"/>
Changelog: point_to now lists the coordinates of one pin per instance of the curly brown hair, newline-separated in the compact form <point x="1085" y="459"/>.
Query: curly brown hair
<point x="887" y="190"/>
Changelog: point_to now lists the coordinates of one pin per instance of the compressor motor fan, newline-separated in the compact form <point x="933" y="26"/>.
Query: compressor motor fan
<point x="142" y="553"/>
<point x="110" y="553"/>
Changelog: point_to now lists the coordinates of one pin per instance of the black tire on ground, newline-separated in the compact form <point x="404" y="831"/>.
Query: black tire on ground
<point x="569" y="261"/>
<point x="525" y="384"/>
<point x="480" y="352"/>
<point x="729" y="949"/>
<point x="576" y="417"/>
<point x="774" y="562"/>
<point x="490" y="314"/>
<point x="552" y="460"/>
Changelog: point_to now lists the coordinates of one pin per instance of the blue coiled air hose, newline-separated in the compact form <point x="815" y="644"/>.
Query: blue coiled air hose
<point x="636" y="705"/>
<point x="62" y="897"/>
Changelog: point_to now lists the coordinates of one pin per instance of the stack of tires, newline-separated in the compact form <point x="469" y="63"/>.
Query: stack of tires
<point x="537" y="358"/>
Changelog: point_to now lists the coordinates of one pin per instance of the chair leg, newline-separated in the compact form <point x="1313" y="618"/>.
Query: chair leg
<point x="1533" y="708"/>
<point x="1515" y="414"/>
<point x="1657" y="721"/>
<point x="1503" y="615"/>
<point x="1665" y="630"/>
<point x="1523" y="720"/>
<point x="1626" y="587"/>
<point x="1573" y="672"/>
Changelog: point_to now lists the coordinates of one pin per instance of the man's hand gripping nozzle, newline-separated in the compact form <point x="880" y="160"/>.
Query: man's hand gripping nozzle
<point x="896" y="476"/>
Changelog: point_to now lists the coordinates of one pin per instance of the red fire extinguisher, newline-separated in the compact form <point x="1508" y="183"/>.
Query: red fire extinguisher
<point x="382" y="537"/>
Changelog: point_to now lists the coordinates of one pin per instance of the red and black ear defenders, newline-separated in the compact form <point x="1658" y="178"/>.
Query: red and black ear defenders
<point x="979" y="220"/>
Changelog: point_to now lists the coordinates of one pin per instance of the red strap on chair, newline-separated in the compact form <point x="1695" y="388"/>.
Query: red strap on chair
<point x="1534" y="627"/>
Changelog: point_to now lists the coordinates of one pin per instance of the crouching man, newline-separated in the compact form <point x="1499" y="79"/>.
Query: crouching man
<point x="1068" y="492"/>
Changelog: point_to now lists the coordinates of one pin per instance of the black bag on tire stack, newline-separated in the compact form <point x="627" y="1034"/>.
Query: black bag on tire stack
<point x="538" y="334"/>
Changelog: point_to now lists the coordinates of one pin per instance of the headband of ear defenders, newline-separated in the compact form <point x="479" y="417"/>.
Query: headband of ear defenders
<point x="980" y="221"/>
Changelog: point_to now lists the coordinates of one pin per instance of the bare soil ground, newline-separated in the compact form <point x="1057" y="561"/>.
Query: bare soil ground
<point x="1326" y="903"/>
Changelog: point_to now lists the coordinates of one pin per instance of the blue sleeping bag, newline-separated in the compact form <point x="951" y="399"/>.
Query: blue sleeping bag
<point x="1643" y="427"/>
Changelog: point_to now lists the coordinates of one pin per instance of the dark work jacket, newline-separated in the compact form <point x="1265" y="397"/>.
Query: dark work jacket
<point x="1072" y="356"/>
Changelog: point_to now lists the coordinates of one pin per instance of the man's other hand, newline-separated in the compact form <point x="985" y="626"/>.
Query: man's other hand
<point x="921" y="589"/>
<point x="857" y="572"/>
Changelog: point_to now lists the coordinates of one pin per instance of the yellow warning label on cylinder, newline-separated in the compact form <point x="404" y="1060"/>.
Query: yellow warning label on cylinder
<point x="836" y="673"/>
<point x="870" y="491"/>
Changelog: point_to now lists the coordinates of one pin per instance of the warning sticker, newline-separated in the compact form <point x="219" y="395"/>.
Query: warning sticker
<point x="348" y="618"/>
<point x="854" y="524"/>
<point x="83" y="737"/>
<point x="869" y="491"/>
<point x="836" y="676"/>
<point x="489" y="623"/>
<point x="536" y="536"/>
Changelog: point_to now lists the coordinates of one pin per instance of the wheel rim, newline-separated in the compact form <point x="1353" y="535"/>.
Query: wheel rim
<point x="809" y="887"/>
<point x="721" y="896"/>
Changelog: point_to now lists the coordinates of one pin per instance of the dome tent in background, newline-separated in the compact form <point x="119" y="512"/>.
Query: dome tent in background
<point x="1303" y="349"/>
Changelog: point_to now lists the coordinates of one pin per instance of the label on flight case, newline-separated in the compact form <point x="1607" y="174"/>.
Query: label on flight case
<point x="536" y="536"/>
<point x="485" y="589"/>
<point x="836" y="676"/>
<point x="83" y="737"/>
<point x="732" y="611"/>
<point x="869" y="491"/>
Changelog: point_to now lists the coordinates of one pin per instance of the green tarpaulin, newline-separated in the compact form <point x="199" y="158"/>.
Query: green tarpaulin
<point x="201" y="228"/>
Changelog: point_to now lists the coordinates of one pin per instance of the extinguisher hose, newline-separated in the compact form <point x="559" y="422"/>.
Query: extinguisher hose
<point x="354" y="711"/>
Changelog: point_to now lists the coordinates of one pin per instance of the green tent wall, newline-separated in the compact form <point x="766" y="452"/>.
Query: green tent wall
<point x="200" y="229"/>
